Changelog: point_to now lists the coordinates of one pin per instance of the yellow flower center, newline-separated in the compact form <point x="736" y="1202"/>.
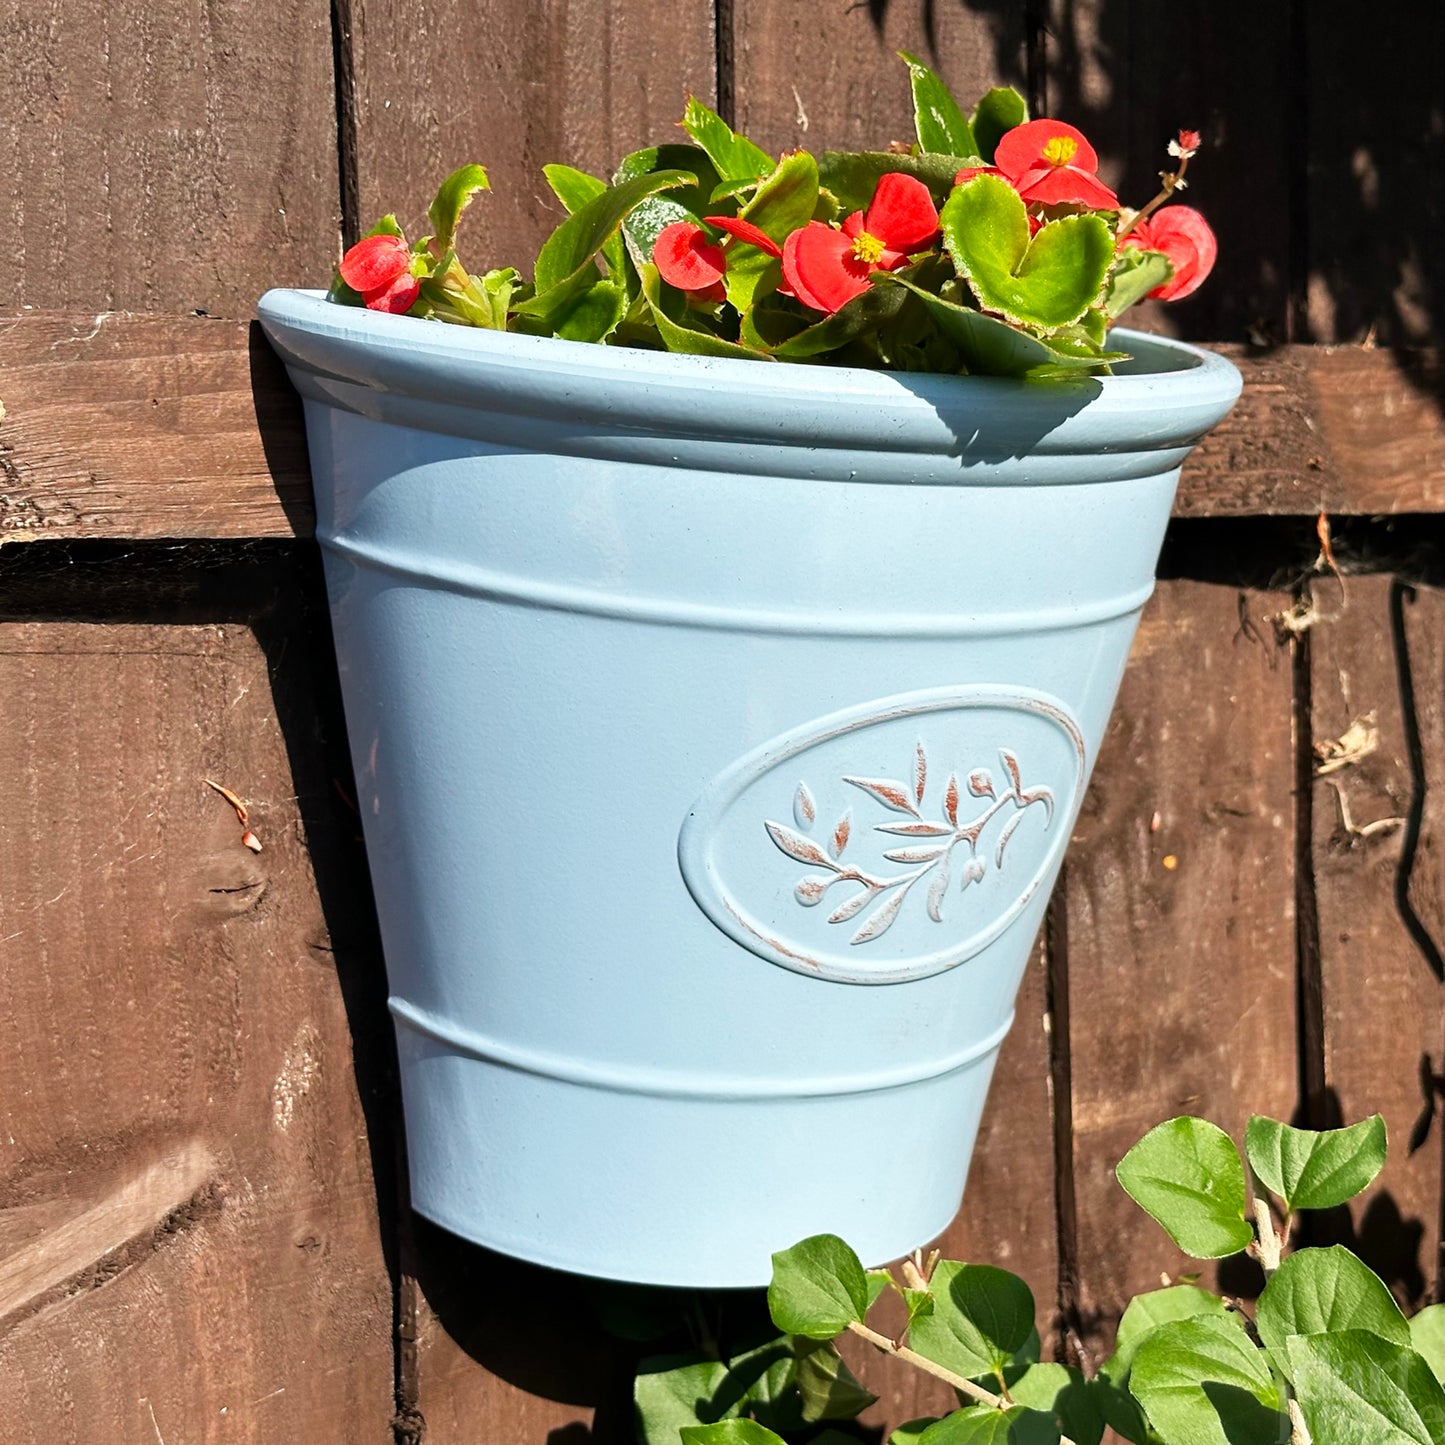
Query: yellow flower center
<point x="1060" y="150"/>
<point x="868" y="248"/>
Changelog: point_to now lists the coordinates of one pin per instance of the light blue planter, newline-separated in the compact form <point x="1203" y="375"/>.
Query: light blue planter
<point x="629" y="643"/>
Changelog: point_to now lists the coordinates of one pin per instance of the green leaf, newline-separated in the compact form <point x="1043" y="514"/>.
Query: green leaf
<point x="1048" y="281"/>
<point x="1320" y="1290"/>
<point x="1121" y="1412"/>
<point x="878" y="1281"/>
<point x="937" y="119"/>
<point x="592" y="314"/>
<point x="1202" y="1382"/>
<point x="1136" y="273"/>
<point x="673" y="1391"/>
<point x="1427" y="1337"/>
<point x="982" y="1316"/>
<point x="1188" y="1175"/>
<point x="682" y="331"/>
<point x="1357" y="1389"/>
<point x="994" y="116"/>
<point x="818" y="1288"/>
<point x="764" y="1381"/>
<point x="983" y="1425"/>
<point x="785" y="201"/>
<point x="735" y="157"/>
<point x="919" y="1303"/>
<point x="864" y="313"/>
<point x="647" y="220"/>
<point x="829" y="1388"/>
<point x="991" y="347"/>
<point x="1146" y="1312"/>
<point x="1315" y="1170"/>
<point x="853" y="176"/>
<point x="568" y="252"/>
<point x="912" y="1431"/>
<point x="1064" y="1395"/>
<point x="730" y="1432"/>
<point x="451" y="200"/>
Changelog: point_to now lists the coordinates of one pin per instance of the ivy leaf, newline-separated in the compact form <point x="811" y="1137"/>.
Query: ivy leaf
<point x="1188" y="1175"/>
<point x="674" y="1391"/>
<point x="1146" y="1312"/>
<point x="1311" y="1169"/>
<point x="1136" y="273"/>
<point x="1202" y="1382"/>
<point x="983" y="1425"/>
<point x="1049" y="281"/>
<point x="730" y="1432"/>
<point x="1427" y="1338"/>
<point x="451" y="200"/>
<point x="829" y="1389"/>
<point x="1357" y="1389"/>
<point x="1326" y="1290"/>
<point x="937" y="119"/>
<point x="982" y="1316"/>
<point x="853" y="176"/>
<point x="681" y="332"/>
<point x="818" y="1288"/>
<point x="785" y="201"/>
<point x="1000" y="110"/>
<point x="735" y="157"/>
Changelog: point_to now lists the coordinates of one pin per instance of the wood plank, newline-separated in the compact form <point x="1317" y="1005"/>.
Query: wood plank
<point x="1380" y="933"/>
<point x="182" y="1035"/>
<point x="1130" y="74"/>
<point x="165" y="155"/>
<point x="828" y="78"/>
<point x="1180" y="931"/>
<point x="515" y="88"/>
<point x="193" y="431"/>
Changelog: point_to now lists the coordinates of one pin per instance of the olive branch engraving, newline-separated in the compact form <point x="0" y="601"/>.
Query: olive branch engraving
<point x="930" y="849"/>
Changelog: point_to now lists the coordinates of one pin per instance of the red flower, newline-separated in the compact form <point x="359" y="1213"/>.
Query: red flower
<point x="742" y="230"/>
<point x="379" y="267"/>
<point x="687" y="259"/>
<point x="1183" y="235"/>
<point x="1052" y="164"/>
<point x="827" y="268"/>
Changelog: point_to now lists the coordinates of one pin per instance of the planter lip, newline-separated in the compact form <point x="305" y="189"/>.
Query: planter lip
<point x="440" y="377"/>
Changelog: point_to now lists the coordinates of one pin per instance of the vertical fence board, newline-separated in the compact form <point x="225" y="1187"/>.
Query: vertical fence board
<point x="165" y="154"/>
<point x="515" y="88"/>
<point x="1181" y="947"/>
<point x="188" y="1234"/>
<point x="825" y="76"/>
<point x="1379" y="952"/>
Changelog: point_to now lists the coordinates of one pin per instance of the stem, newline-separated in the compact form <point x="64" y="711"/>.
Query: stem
<point x="1270" y="1244"/>
<point x="942" y="1372"/>
<point x="1299" y="1432"/>
<point x="1171" y="181"/>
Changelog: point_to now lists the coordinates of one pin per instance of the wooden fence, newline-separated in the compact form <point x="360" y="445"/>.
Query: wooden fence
<point x="203" y="1234"/>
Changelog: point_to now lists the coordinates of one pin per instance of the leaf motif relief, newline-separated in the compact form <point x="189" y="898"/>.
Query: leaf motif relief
<point x="936" y="890"/>
<point x="851" y="906"/>
<point x="796" y="846"/>
<point x="809" y="891"/>
<point x="840" y="834"/>
<point x="950" y="800"/>
<point x="881" y="919"/>
<point x="890" y="794"/>
<point x="916" y="855"/>
<point x="913" y="830"/>
<point x="1012" y="764"/>
<point x="920" y="774"/>
<point x="980" y="783"/>
<point x="973" y="872"/>
<point x="805" y="810"/>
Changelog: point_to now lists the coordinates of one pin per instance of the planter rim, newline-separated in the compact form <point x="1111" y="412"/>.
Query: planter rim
<point x="459" y="380"/>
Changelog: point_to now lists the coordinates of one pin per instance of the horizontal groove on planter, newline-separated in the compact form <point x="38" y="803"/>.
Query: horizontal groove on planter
<point x="663" y="1083"/>
<point x="668" y="612"/>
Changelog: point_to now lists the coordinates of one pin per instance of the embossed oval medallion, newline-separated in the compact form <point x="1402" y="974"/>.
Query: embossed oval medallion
<point x="890" y="841"/>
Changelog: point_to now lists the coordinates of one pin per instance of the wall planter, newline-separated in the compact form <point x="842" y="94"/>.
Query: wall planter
<point x="719" y="728"/>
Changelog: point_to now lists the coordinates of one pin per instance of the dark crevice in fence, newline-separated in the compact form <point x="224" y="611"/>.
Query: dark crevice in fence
<point x="1297" y="125"/>
<point x="1036" y="46"/>
<point x="725" y="59"/>
<point x="343" y="60"/>
<point x="1061" y="1091"/>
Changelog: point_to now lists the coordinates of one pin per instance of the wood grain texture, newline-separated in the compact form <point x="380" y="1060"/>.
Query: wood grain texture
<point x="1130" y="74"/>
<point x="1378" y="832"/>
<point x="515" y="87"/>
<point x="165" y="155"/>
<point x="1181" y="933"/>
<point x="827" y="76"/>
<point x="194" y="1251"/>
<point x="193" y="431"/>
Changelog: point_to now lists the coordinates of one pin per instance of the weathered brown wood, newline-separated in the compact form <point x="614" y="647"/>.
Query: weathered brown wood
<point x="827" y="76"/>
<point x="191" y="430"/>
<point x="189" y="1237"/>
<point x="515" y="87"/>
<point x="1130" y="74"/>
<point x="1378" y="811"/>
<point x="163" y="154"/>
<point x="1180" y="919"/>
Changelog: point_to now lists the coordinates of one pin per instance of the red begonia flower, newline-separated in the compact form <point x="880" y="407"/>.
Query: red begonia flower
<point x="827" y="268"/>
<point x="1184" y="236"/>
<point x="742" y="230"/>
<point x="1051" y="163"/>
<point x="379" y="267"/>
<point x="687" y="259"/>
<point x="398" y="297"/>
<point x="969" y="172"/>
